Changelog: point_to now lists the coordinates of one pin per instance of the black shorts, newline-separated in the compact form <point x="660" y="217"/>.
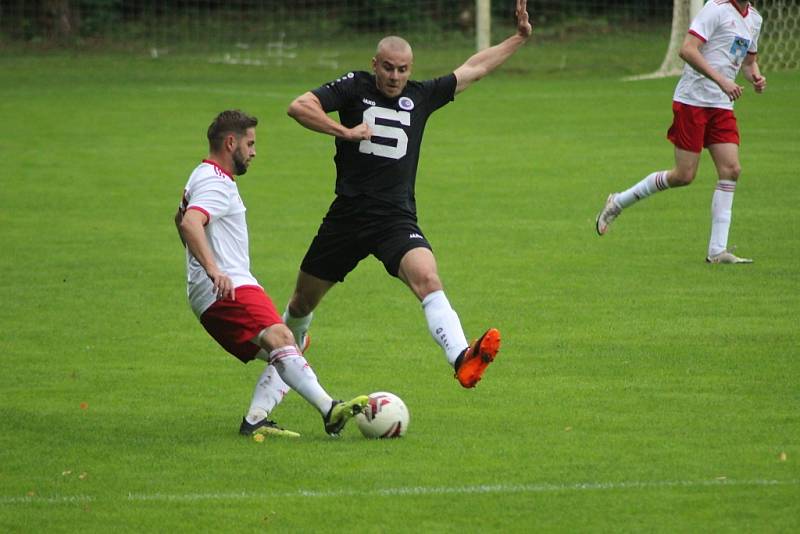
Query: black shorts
<point x="353" y="229"/>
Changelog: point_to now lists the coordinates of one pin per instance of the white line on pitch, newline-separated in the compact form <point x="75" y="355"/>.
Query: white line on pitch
<point x="400" y="491"/>
<point x="441" y="490"/>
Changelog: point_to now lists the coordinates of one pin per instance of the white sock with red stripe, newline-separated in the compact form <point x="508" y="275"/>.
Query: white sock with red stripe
<point x="653" y="183"/>
<point x="444" y="325"/>
<point x="295" y="371"/>
<point x="721" y="210"/>
<point x="269" y="392"/>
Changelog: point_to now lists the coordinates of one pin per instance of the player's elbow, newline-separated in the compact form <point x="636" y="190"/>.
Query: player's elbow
<point x="183" y="226"/>
<point x="294" y="109"/>
<point x="301" y="105"/>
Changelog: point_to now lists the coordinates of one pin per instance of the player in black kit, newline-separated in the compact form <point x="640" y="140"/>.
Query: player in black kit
<point x="382" y="117"/>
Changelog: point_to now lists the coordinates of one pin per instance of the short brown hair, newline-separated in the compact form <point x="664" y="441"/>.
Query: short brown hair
<point x="232" y="121"/>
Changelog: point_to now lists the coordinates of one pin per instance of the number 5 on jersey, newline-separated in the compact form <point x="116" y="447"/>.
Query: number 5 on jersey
<point x="388" y="132"/>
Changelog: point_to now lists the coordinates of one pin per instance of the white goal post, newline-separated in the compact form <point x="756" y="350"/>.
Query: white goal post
<point x="683" y="11"/>
<point x="483" y="24"/>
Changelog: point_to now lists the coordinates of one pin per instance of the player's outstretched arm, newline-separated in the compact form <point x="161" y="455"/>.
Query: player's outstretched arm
<point x="307" y="110"/>
<point x="487" y="60"/>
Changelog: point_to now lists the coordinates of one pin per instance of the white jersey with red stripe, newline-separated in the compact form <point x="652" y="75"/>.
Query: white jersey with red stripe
<point x="214" y="192"/>
<point x="728" y="35"/>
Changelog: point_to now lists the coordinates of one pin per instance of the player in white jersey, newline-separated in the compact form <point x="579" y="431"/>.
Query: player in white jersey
<point x="722" y="39"/>
<point x="225" y="296"/>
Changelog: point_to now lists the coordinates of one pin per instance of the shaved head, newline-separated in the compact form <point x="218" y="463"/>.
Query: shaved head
<point x="392" y="44"/>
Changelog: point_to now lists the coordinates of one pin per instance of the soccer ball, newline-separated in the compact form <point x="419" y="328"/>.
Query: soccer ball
<point x="384" y="416"/>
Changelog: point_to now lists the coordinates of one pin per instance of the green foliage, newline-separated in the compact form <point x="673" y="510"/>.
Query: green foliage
<point x="99" y="17"/>
<point x="638" y="389"/>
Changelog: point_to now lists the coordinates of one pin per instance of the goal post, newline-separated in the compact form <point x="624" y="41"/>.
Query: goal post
<point x="483" y="24"/>
<point x="683" y="11"/>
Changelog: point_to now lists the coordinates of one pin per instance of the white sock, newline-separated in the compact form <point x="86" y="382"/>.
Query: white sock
<point x="444" y="325"/>
<point x="295" y="371"/>
<point x="298" y="325"/>
<point x="653" y="183"/>
<point x="721" y="209"/>
<point x="269" y="392"/>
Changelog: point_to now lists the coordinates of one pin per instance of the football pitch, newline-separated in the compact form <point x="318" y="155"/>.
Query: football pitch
<point x="637" y="388"/>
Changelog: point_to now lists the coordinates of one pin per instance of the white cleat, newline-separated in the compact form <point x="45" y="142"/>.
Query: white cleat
<point x="726" y="256"/>
<point x="610" y="212"/>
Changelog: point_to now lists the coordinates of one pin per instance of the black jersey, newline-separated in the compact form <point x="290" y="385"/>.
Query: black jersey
<point x="385" y="167"/>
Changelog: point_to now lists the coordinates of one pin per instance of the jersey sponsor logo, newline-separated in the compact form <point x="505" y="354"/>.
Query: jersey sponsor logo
<point x="405" y="103"/>
<point x="368" y="102"/>
<point x="739" y="48"/>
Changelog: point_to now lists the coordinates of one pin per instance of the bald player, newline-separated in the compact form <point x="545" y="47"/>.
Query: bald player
<point x="382" y="117"/>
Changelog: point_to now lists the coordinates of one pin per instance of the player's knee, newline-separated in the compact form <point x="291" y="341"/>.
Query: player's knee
<point x="730" y="172"/>
<point x="427" y="284"/>
<point x="682" y="177"/>
<point x="276" y="336"/>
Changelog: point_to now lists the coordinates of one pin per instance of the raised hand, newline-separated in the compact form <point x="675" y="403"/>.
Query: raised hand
<point x="524" y="27"/>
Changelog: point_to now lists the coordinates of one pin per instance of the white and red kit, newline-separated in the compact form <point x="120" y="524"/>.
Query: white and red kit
<point x="728" y="35"/>
<point x="214" y="192"/>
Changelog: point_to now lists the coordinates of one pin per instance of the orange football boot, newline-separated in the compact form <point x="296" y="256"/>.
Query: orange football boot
<point x="477" y="357"/>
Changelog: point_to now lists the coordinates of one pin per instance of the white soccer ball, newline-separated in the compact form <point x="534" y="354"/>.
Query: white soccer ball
<point x="385" y="416"/>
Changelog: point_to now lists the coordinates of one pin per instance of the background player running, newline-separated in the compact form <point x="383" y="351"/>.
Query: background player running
<point x="381" y="121"/>
<point x="722" y="39"/>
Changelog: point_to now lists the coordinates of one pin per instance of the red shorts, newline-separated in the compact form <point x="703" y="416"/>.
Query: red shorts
<point x="694" y="127"/>
<point x="233" y="323"/>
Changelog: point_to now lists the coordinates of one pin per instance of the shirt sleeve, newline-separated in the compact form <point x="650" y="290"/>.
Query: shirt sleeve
<point x="704" y="23"/>
<point x="334" y="95"/>
<point x="209" y="196"/>
<point x="754" y="43"/>
<point x="440" y="90"/>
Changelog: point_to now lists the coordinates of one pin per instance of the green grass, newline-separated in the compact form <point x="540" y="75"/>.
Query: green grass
<point x="638" y="389"/>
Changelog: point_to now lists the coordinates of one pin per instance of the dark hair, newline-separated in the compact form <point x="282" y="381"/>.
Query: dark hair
<point x="232" y="121"/>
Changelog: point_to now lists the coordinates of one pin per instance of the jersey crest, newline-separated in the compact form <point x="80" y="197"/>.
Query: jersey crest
<point x="739" y="48"/>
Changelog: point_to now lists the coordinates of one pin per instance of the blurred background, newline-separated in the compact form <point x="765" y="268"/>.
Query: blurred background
<point x="312" y="33"/>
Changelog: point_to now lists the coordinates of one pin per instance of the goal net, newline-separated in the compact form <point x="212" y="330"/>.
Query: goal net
<point x="779" y="46"/>
<point x="779" y="43"/>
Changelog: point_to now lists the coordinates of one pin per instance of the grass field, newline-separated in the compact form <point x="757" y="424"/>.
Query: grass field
<point x="638" y="389"/>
